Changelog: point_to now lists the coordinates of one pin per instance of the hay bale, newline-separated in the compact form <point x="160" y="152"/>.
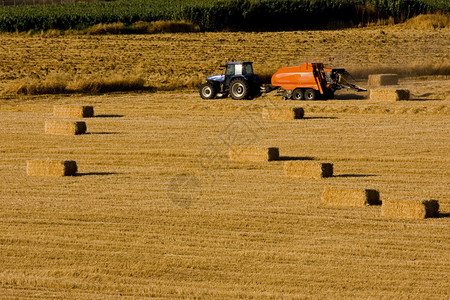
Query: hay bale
<point x="73" y="111"/>
<point x="350" y="197"/>
<point x="382" y="79"/>
<point x="410" y="209"/>
<point x="283" y="113"/>
<point x="53" y="168"/>
<point x="307" y="169"/>
<point x="254" y="154"/>
<point x="63" y="127"/>
<point x="389" y="94"/>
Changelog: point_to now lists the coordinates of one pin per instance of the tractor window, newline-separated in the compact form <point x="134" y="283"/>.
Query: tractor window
<point x="248" y="69"/>
<point x="230" y="70"/>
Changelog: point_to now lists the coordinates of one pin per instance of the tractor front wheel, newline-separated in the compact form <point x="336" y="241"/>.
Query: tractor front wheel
<point x="310" y="94"/>
<point x="207" y="91"/>
<point x="239" y="89"/>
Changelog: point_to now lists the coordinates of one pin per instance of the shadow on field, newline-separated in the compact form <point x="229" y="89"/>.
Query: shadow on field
<point x="444" y="215"/>
<point x="102" y="132"/>
<point x="312" y="118"/>
<point x="353" y="175"/>
<point x="423" y="97"/>
<point x="349" y="97"/>
<point x="109" y="116"/>
<point x="285" y="158"/>
<point x="96" y="174"/>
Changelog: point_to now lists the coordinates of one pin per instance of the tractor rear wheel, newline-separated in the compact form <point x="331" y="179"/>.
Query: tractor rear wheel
<point x="239" y="89"/>
<point x="310" y="94"/>
<point x="297" y="94"/>
<point x="207" y="90"/>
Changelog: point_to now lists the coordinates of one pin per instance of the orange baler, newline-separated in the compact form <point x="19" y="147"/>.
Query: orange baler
<point x="310" y="81"/>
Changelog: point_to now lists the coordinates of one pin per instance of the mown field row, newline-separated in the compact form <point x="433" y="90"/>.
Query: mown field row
<point x="216" y="15"/>
<point x="248" y="232"/>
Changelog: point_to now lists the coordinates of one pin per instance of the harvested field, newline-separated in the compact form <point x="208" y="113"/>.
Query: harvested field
<point x="157" y="208"/>
<point x="169" y="61"/>
<point x="225" y="229"/>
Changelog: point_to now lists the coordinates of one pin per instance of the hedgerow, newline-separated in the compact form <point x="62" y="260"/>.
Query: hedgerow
<point x="215" y="15"/>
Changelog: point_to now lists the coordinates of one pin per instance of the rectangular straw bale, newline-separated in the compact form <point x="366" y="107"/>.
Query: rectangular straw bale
<point x="353" y="197"/>
<point x="382" y="79"/>
<point x="253" y="154"/>
<point x="64" y="127"/>
<point x="389" y="94"/>
<point x="410" y="209"/>
<point x="307" y="169"/>
<point x="282" y="113"/>
<point x="73" y="111"/>
<point x="52" y="168"/>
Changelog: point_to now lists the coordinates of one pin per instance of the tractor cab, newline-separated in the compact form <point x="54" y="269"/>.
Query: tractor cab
<point x="237" y="69"/>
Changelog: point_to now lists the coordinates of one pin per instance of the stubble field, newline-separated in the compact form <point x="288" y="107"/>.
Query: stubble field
<point x="158" y="210"/>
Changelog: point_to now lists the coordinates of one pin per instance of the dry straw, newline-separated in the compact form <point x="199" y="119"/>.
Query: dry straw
<point x="52" y="168"/>
<point x="307" y="169"/>
<point x="283" y="113"/>
<point x="353" y="197"/>
<point x="64" y="127"/>
<point x="253" y="154"/>
<point x="73" y="111"/>
<point x="410" y="209"/>
<point x="382" y="79"/>
<point x="389" y="94"/>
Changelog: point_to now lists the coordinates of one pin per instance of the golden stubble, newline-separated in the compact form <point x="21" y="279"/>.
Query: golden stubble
<point x="158" y="209"/>
<point x="183" y="60"/>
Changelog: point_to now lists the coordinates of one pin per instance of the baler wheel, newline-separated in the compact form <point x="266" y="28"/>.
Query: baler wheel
<point x="310" y="94"/>
<point x="297" y="94"/>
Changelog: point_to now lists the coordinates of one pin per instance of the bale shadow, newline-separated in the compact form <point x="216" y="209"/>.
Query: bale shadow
<point x="102" y="132"/>
<point x="285" y="158"/>
<point x="312" y="118"/>
<point x="425" y="95"/>
<point x="444" y="215"/>
<point x="96" y="174"/>
<point x="418" y="99"/>
<point x="109" y="116"/>
<point x="353" y="175"/>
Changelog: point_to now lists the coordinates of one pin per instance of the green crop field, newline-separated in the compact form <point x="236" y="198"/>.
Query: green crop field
<point x="215" y="15"/>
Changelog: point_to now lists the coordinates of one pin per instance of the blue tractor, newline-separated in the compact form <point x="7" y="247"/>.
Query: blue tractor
<point x="238" y="81"/>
